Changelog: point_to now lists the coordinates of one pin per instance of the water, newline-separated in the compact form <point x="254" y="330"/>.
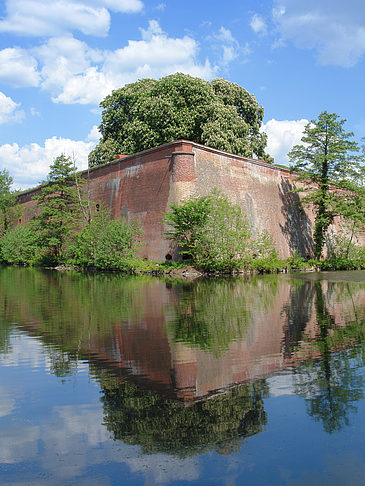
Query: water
<point x="112" y="380"/>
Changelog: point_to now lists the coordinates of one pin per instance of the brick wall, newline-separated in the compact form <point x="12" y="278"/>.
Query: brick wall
<point x="142" y="186"/>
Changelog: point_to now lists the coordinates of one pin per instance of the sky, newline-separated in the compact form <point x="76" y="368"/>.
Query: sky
<point x="60" y="58"/>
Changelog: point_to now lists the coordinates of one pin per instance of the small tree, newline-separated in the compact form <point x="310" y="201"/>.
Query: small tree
<point x="59" y="207"/>
<point x="211" y="231"/>
<point x="107" y="244"/>
<point x="328" y="163"/>
<point x="7" y="200"/>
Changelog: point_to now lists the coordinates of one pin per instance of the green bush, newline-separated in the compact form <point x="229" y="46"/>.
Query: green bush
<point x="343" y="254"/>
<point x="20" y="246"/>
<point x="211" y="231"/>
<point x="106" y="244"/>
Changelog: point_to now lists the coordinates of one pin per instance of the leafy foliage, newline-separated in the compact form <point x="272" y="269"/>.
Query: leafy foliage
<point x="157" y="424"/>
<point x="59" y="207"/>
<point x="20" y="246"/>
<point x="106" y="244"/>
<point x="215" y="235"/>
<point x="148" y="113"/>
<point x="328" y="162"/>
<point x="209" y="230"/>
<point x="8" y="213"/>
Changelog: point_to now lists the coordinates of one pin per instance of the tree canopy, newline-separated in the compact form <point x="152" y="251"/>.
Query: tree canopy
<point x="328" y="162"/>
<point x="149" y="113"/>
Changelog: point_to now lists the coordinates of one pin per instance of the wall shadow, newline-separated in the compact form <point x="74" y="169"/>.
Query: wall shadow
<point x="297" y="228"/>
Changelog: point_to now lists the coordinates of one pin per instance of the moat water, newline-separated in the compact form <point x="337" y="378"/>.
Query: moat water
<point x="110" y="380"/>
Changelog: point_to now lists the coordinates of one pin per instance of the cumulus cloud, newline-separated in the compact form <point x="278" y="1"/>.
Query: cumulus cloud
<point x="18" y="68"/>
<point x="9" y="110"/>
<point x="44" y="18"/>
<point x="258" y="24"/>
<point x="74" y="73"/>
<point x="335" y="29"/>
<point x="282" y="135"/>
<point x="29" y="164"/>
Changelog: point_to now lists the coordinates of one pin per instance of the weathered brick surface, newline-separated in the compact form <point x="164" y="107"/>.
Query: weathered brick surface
<point x="142" y="187"/>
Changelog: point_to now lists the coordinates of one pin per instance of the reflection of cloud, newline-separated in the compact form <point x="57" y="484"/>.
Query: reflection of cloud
<point x="18" y="444"/>
<point x="25" y="350"/>
<point x="66" y="442"/>
<point x="77" y="440"/>
<point x="281" y="385"/>
<point x="160" y="468"/>
<point x="7" y="404"/>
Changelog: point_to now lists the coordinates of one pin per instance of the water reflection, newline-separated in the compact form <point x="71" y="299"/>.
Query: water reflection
<point x="183" y="367"/>
<point x="332" y="384"/>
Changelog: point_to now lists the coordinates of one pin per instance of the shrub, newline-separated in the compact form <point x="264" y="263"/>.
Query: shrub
<point x="211" y="231"/>
<point x="106" y="244"/>
<point x="20" y="246"/>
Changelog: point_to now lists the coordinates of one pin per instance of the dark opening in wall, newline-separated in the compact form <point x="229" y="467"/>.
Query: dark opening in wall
<point x="168" y="257"/>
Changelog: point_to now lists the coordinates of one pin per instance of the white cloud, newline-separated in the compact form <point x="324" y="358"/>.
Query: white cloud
<point x="125" y="6"/>
<point x="335" y="29"/>
<point x="282" y="135"/>
<point x="18" y="68"/>
<point x="258" y="24"/>
<point x="29" y="165"/>
<point x="74" y="73"/>
<point x="87" y="88"/>
<point x="225" y="35"/>
<point x="9" y="110"/>
<point x="43" y="18"/>
<point x="230" y="46"/>
<point x="154" y="28"/>
<point x="94" y="135"/>
<point x="161" y="7"/>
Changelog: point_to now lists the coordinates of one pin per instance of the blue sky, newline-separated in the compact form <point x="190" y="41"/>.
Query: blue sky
<point x="59" y="59"/>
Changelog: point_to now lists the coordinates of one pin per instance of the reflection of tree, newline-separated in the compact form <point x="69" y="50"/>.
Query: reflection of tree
<point x="158" y="424"/>
<point x="68" y="309"/>
<point x="210" y="314"/>
<point x="331" y="384"/>
<point x="298" y="313"/>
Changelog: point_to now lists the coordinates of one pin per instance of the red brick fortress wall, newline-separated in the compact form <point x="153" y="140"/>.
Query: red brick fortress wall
<point x="142" y="187"/>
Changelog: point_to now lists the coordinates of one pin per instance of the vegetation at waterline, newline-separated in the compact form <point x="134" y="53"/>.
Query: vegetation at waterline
<point x="207" y="232"/>
<point x="149" y="113"/>
<point x="329" y="164"/>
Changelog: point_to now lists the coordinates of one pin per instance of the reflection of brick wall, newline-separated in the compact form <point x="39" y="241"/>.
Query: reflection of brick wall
<point x="142" y="186"/>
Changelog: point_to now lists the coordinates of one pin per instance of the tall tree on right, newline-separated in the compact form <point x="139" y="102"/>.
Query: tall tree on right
<point x="329" y="164"/>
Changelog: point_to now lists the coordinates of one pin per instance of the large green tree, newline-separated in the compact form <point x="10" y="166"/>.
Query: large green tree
<point x="148" y="113"/>
<point x="330" y="166"/>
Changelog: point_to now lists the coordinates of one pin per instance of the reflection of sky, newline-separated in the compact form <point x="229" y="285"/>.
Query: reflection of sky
<point x="52" y="432"/>
<point x="42" y="425"/>
<point x="281" y="384"/>
<point x="26" y="350"/>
